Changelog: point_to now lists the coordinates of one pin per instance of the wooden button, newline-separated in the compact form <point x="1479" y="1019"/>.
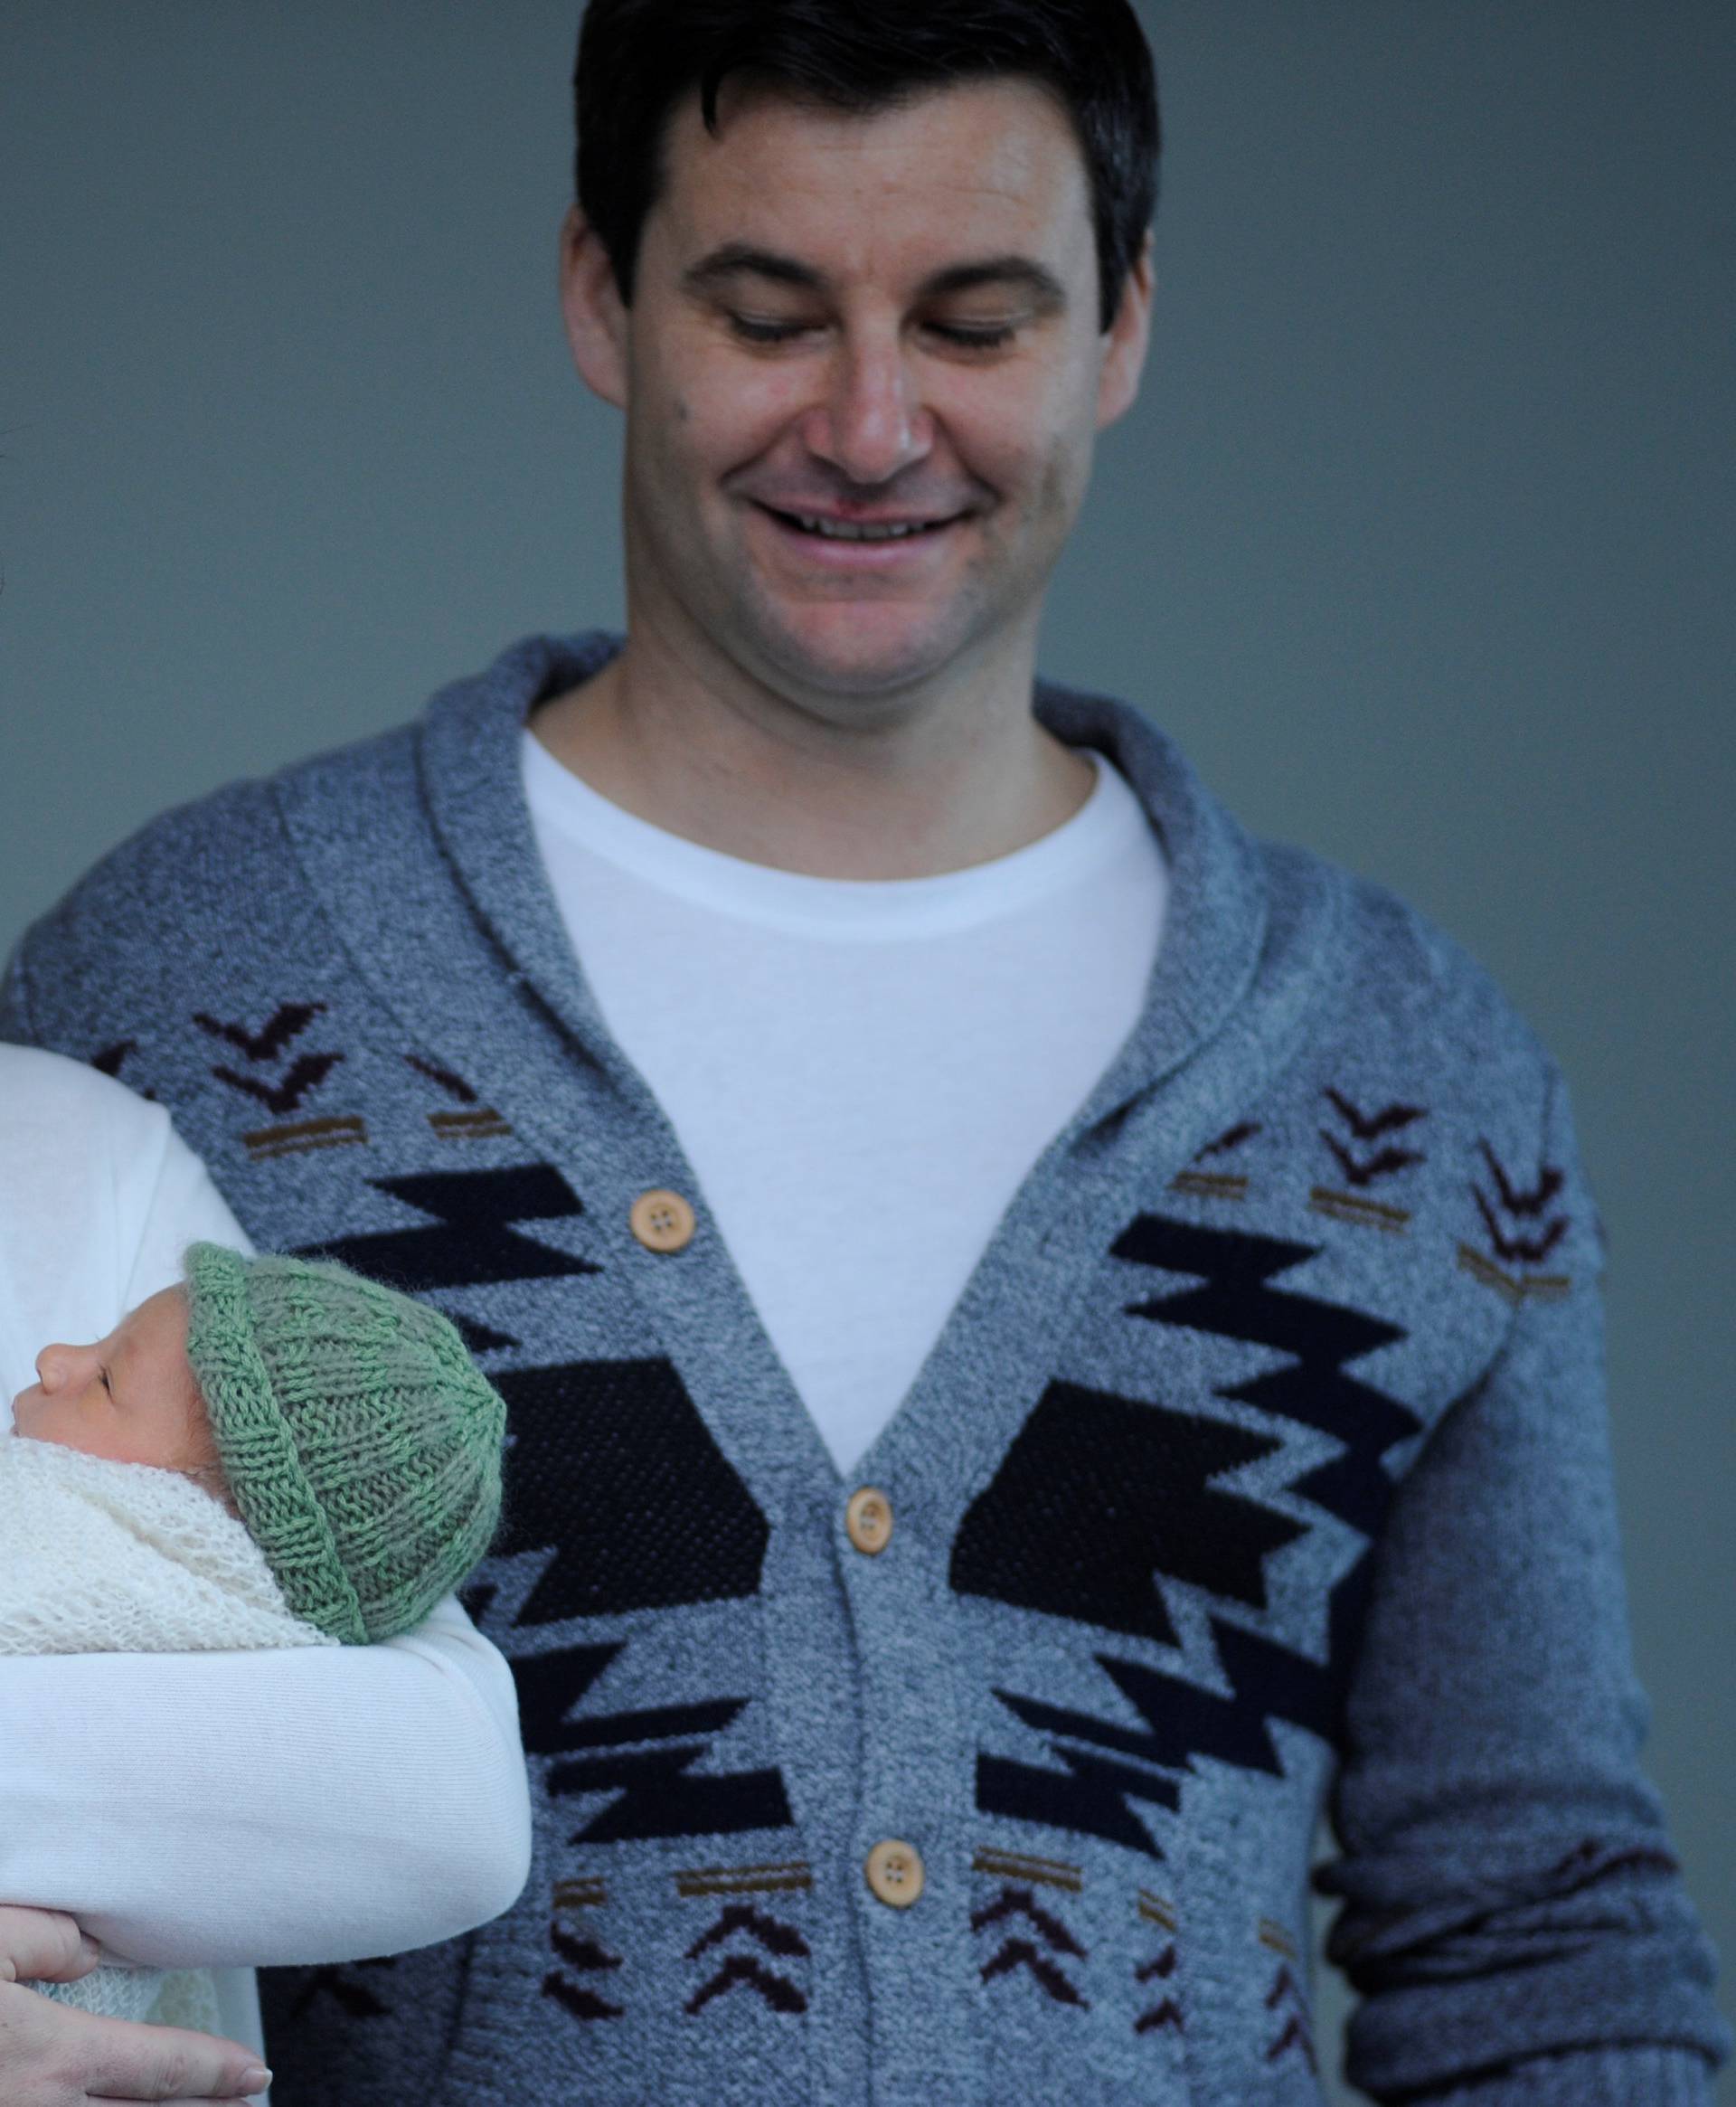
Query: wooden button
<point x="869" y="1520"/>
<point x="662" y="1221"/>
<point x="895" y="1873"/>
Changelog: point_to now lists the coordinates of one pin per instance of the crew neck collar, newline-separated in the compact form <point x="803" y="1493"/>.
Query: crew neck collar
<point x="834" y="907"/>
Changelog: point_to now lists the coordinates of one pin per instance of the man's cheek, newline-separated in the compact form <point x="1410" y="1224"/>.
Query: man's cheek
<point x="735" y="414"/>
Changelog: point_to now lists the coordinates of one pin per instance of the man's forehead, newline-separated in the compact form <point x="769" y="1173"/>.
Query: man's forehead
<point x="995" y="165"/>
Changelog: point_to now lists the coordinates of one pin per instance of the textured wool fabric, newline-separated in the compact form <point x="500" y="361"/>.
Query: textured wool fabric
<point x="1260" y="1470"/>
<point x="98" y="1556"/>
<point x="360" y="1443"/>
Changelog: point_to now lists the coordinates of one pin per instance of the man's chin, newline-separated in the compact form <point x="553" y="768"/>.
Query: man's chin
<point x="859" y="661"/>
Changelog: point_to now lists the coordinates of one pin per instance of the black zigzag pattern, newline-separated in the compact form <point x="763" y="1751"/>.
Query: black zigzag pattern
<point x="1090" y="1798"/>
<point x="1100" y="1493"/>
<point x="612" y="1468"/>
<point x="1108" y="1765"/>
<point x="1235" y="1300"/>
<point x="654" y="1793"/>
<point x="472" y="1243"/>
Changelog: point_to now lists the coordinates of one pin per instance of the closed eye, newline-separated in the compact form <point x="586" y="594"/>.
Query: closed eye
<point x="765" y="332"/>
<point x="975" y="339"/>
<point x="979" y="339"/>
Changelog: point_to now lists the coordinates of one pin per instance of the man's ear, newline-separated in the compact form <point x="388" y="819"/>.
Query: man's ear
<point x="592" y="310"/>
<point x="1128" y="339"/>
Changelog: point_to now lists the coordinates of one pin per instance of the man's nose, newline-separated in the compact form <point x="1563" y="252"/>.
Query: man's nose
<point x="871" y="423"/>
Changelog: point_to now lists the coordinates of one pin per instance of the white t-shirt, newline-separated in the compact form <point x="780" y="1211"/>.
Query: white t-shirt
<point x="860" y="1072"/>
<point x="181" y="1805"/>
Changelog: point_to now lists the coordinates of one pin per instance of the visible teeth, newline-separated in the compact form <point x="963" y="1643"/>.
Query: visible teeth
<point x="842" y="530"/>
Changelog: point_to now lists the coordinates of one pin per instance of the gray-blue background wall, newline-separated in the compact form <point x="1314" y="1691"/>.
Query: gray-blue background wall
<point x="1421" y="540"/>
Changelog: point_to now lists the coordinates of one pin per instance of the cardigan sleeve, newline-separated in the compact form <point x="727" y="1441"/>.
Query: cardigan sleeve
<point x="1513" y="1920"/>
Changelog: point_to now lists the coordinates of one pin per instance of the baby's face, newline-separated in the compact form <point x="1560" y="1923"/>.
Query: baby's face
<point x="130" y="1397"/>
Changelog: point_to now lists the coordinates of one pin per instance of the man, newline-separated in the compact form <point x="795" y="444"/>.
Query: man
<point x="1042" y="1337"/>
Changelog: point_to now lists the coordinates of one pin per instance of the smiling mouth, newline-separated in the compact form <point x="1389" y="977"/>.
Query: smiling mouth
<point x="866" y="531"/>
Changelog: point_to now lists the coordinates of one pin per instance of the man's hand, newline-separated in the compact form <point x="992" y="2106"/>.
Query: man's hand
<point x="54" y="2055"/>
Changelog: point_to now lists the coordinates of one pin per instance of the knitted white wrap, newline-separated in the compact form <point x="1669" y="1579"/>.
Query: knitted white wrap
<point x="101" y="1557"/>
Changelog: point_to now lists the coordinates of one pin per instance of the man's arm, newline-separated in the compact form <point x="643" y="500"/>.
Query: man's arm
<point x="1513" y="1918"/>
<point x="289" y="1805"/>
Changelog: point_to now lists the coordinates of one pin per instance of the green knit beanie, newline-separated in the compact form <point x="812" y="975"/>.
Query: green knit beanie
<point x="360" y="1442"/>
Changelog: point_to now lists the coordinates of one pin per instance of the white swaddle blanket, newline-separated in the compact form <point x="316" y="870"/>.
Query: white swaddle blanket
<point x="102" y="1557"/>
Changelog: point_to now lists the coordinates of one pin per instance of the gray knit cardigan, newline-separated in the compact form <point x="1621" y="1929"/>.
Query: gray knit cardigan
<point x="1260" y="1473"/>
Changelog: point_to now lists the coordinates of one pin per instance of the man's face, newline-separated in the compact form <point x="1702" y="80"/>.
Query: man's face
<point x="842" y="322"/>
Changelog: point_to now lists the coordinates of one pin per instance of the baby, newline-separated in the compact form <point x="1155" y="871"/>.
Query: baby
<point x="278" y="1453"/>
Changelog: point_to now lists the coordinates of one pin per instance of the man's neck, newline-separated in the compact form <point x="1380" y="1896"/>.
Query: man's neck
<point x="926" y="792"/>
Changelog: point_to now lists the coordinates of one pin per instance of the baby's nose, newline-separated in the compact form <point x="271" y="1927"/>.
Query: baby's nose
<point x="53" y="1365"/>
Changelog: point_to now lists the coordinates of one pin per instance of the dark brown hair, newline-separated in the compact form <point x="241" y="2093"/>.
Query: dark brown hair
<point x="637" y="58"/>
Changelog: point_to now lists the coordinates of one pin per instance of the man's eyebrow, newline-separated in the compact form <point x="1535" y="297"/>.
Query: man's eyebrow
<point x="1023" y="271"/>
<point x="738" y="259"/>
<point x="735" y="259"/>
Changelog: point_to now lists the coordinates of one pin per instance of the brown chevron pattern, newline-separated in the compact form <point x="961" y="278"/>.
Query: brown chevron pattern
<point x="581" y="1953"/>
<point x="1231" y="1137"/>
<point x="455" y="1086"/>
<point x="1371" y="1126"/>
<point x="1295" y="2035"/>
<point x="289" y="1021"/>
<point x="1364" y="1163"/>
<point x="776" y="1937"/>
<point x="308" y="1071"/>
<point x="1164" y="2017"/>
<point x="1518" y="1232"/>
<point x="782" y="1940"/>
<point x="1026" y="1955"/>
<point x="777" y="1990"/>
<point x="1020" y="1902"/>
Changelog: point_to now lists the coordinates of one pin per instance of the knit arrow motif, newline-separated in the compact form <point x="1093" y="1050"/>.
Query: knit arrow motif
<point x="1021" y="1902"/>
<point x="589" y="1957"/>
<point x="1365" y="1126"/>
<point x="308" y="1072"/>
<point x="1167" y="2013"/>
<point x="1363" y="1171"/>
<point x="1520" y="1204"/>
<point x="455" y="1086"/>
<point x="1021" y="1954"/>
<point x="1296" y="2033"/>
<point x="783" y="1940"/>
<point x="778" y="1992"/>
<point x="1526" y="1204"/>
<point x="1371" y="1126"/>
<point x="1231" y="1137"/>
<point x="288" y="1021"/>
